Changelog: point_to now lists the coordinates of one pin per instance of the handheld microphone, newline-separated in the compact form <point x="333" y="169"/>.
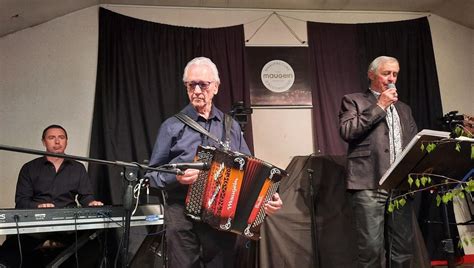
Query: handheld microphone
<point x="184" y="166"/>
<point x="389" y="86"/>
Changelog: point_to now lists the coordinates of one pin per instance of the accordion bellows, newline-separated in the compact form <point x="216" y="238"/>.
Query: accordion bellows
<point x="230" y="195"/>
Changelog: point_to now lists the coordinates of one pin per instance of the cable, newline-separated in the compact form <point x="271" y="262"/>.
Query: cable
<point x="118" y="251"/>
<point x="163" y="245"/>
<point x="17" y="218"/>
<point x="75" y="237"/>
<point x="136" y="194"/>
<point x="390" y="235"/>
<point x="289" y="29"/>
<point x="119" y="245"/>
<point x="261" y="25"/>
<point x="103" y="262"/>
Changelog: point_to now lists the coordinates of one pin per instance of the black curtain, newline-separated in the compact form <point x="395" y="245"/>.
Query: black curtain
<point x="339" y="57"/>
<point x="139" y="85"/>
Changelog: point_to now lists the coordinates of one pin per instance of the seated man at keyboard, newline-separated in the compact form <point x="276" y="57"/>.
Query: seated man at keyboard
<point x="48" y="182"/>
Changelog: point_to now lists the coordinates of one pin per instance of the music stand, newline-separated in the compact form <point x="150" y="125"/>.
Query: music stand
<point x="444" y="160"/>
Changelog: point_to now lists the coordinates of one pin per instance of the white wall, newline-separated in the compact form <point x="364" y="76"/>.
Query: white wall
<point x="47" y="75"/>
<point x="454" y="54"/>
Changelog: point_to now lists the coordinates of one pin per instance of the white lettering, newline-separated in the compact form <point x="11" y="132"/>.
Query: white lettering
<point x="232" y="195"/>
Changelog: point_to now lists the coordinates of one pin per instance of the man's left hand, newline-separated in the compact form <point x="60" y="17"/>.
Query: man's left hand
<point x="273" y="205"/>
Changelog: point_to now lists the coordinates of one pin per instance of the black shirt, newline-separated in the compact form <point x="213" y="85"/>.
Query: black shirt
<point x="38" y="182"/>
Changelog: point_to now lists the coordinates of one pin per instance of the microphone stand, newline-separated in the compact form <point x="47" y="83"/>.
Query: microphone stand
<point x="314" y="230"/>
<point x="129" y="174"/>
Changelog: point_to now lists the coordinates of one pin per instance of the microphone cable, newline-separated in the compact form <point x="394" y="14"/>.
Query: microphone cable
<point x="75" y="238"/>
<point x="17" y="218"/>
<point x="136" y="194"/>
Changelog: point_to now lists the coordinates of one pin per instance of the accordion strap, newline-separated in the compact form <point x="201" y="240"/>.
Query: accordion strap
<point x="194" y="125"/>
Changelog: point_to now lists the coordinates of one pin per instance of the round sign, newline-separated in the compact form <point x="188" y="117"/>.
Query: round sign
<point x="277" y="76"/>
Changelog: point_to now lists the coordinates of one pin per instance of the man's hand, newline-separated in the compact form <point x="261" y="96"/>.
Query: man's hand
<point x="46" y="205"/>
<point x="387" y="98"/>
<point x="273" y="205"/>
<point x="189" y="176"/>
<point x="95" y="203"/>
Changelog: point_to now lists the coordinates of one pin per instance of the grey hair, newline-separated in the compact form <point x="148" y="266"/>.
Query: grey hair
<point x="202" y="61"/>
<point x="374" y="65"/>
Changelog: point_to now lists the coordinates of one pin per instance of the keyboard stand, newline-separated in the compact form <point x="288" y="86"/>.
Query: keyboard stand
<point x="65" y="254"/>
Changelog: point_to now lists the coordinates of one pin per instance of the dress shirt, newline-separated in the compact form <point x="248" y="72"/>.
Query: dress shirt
<point x="177" y="143"/>
<point x="394" y="130"/>
<point x="38" y="182"/>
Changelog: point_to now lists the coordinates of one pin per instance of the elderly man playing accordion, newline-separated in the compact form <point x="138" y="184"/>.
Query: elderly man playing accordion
<point x="193" y="243"/>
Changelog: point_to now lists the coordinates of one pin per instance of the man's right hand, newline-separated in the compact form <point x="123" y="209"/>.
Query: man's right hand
<point x="46" y="205"/>
<point x="189" y="176"/>
<point x="387" y="98"/>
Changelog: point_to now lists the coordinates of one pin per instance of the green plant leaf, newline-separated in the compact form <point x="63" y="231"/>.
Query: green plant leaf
<point x="467" y="189"/>
<point x="422" y="147"/>
<point x="466" y="241"/>
<point x="472" y="151"/>
<point x="431" y="146"/>
<point x="457" y="192"/>
<point x="470" y="186"/>
<point x="402" y="202"/>
<point x="438" y="200"/>
<point x="445" y="198"/>
<point x="458" y="147"/>
<point x="458" y="131"/>
<point x="390" y="207"/>
<point x="410" y="180"/>
<point x="424" y="180"/>
<point x="417" y="183"/>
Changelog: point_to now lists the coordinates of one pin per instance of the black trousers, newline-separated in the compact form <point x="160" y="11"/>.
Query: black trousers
<point x="196" y="244"/>
<point x="36" y="256"/>
<point x="383" y="239"/>
<point x="33" y="255"/>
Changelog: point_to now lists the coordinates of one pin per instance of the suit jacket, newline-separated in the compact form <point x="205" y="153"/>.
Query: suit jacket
<point x="362" y="124"/>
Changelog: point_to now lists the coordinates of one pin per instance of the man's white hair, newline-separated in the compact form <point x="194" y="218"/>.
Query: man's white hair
<point x="374" y="65"/>
<point x="202" y="61"/>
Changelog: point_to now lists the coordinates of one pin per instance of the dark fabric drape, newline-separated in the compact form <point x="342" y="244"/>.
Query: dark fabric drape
<point x="339" y="57"/>
<point x="139" y="85"/>
<point x="334" y="71"/>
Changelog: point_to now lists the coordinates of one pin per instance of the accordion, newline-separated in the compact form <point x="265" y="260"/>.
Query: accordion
<point x="231" y="194"/>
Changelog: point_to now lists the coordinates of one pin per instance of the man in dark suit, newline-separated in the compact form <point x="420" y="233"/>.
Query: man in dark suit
<point x="377" y="127"/>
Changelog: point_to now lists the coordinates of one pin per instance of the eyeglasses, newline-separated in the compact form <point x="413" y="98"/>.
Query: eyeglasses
<point x="203" y="85"/>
